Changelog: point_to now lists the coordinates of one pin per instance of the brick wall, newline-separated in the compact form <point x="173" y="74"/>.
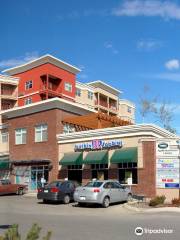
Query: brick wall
<point x="43" y="150"/>
<point x="86" y="175"/>
<point x="147" y="175"/>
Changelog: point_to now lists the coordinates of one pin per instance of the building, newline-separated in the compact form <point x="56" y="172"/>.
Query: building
<point x="145" y="157"/>
<point x="8" y="92"/>
<point x="104" y="98"/>
<point x="48" y="77"/>
<point x="44" y="78"/>
<point x="8" y="99"/>
<point x="32" y="144"/>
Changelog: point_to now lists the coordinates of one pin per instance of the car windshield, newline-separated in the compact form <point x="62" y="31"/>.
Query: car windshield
<point x="55" y="184"/>
<point x="94" y="184"/>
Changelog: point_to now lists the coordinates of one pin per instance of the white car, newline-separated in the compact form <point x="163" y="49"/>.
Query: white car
<point x="102" y="192"/>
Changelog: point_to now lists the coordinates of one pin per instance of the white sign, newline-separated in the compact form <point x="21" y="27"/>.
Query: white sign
<point x="129" y="181"/>
<point x="167" y="165"/>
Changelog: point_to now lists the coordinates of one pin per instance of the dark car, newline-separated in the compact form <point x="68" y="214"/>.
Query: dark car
<point x="6" y="187"/>
<point x="58" y="191"/>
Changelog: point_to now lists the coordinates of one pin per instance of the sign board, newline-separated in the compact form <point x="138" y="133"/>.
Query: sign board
<point x="129" y="181"/>
<point x="167" y="165"/>
<point x="98" y="145"/>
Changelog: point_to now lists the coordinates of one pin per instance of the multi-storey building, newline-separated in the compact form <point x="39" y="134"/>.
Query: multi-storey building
<point x="104" y="98"/>
<point x="45" y="78"/>
<point x="8" y="99"/>
<point x="48" y="77"/>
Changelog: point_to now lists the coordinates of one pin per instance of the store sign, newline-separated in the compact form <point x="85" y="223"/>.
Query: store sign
<point x="167" y="165"/>
<point x="98" y="145"/>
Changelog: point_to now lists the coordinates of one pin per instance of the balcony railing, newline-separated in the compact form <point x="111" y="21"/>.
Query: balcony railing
<point x="51" y="90"/>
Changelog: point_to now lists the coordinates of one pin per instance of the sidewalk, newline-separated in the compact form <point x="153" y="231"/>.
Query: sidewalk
<point x="30" y="194"/>
<point x="130" y="207"/>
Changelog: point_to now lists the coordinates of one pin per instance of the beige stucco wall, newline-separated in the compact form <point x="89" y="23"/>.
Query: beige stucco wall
<point x="169" y="193"/>
<point x="123" y="112"/>
<point x="83" y="99"/>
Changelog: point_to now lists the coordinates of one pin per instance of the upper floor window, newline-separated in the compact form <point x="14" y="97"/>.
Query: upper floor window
<point x="90" y="95"/>
<point x="28" y="85"/>
<point x="129" y="109"/>
<point x="4" y="137"/>
<point x="41" y="133"/>
<point x="67" y="128"/>
<point x="28" y="101"/>
<point x="78" y="92"/>
<point x="68" y="87"/>
<point x="20" y="136"/>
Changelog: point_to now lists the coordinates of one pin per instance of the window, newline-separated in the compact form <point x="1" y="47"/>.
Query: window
<point x="67" y="128"/>
<point x="4" y="137"/>
<point x="68" y="87"/>
<point x="90" y="95"/>
<point x="129" y="109"/>
<point x="41" y="134"/>
<point x="78" y="92"/>
<point x="28" y="85"/>
<point x="20" y="136"/>
<point x="28" y="101"/>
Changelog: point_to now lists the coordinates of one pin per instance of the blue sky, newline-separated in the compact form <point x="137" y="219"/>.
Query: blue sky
<point x="127" y="44"/>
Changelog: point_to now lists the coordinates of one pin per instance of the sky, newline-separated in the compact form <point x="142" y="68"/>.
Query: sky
<point x="127" y="44"/>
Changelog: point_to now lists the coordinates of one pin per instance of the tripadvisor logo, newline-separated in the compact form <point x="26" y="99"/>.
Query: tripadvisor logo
<point x="139" y="231"/>
<point x="163" y="145"/>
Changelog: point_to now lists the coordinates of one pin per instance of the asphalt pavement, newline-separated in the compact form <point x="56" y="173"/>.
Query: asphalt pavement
<point x="70" y="222"/>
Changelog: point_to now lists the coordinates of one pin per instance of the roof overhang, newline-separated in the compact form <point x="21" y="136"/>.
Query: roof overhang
<point x="105" y="86"/>
<point x="40" y="61"/>
<point x="139" y="130"/>
<point x="54" y="103"/>
<point x="9" y="80"/>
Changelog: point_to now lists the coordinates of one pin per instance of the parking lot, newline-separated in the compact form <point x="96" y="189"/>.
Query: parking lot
<point x="92" y="222"/>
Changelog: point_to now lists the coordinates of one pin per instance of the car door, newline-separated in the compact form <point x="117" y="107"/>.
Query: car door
<point x="120" y="193"/>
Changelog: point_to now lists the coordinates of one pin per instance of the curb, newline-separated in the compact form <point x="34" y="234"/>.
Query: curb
<point x="30" y="194"/>
<point x="152" y="210"/>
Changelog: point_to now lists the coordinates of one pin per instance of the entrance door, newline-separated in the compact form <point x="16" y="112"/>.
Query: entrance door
<point x="37" y="173"/>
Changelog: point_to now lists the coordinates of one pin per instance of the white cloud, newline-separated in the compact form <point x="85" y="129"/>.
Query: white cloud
<point x="175" y="77"/>
<point x="149" y="8"/>
<point x="172" y="64"/>
<point x="12" y="62"/>
<point x="109" y="45"/>
<point x="148" y="44"/>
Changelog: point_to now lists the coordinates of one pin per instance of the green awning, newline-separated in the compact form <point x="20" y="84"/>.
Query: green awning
<point x="74" y="158"/>
<point x="124" y="155"/>
<point x="4" y="162"/>
<point x="96" y="157"/>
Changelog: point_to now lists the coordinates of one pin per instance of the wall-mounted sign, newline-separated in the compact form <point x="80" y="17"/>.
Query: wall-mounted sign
<point x="165" y="149"/>
<point x="98" y="145"/>
<point x="167" y="165"/>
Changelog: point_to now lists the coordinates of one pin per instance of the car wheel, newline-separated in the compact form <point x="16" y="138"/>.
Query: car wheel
<point x="129" y="197"/>
<point x="20" y="191"/>
<point x="106" y="202"/>
<point x="66" y="199"/>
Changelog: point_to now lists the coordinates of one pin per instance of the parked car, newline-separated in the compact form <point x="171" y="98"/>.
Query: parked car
<point x="102" y="192"/>
<point x="57" y="191"/>
<point x="6" y="187"/>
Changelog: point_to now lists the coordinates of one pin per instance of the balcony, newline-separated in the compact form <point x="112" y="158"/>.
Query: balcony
<point x="9" y="93"/>
<point x="49" y="91"/>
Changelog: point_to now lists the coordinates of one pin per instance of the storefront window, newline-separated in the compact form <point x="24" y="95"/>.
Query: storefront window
<point x="128" y="170"/>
